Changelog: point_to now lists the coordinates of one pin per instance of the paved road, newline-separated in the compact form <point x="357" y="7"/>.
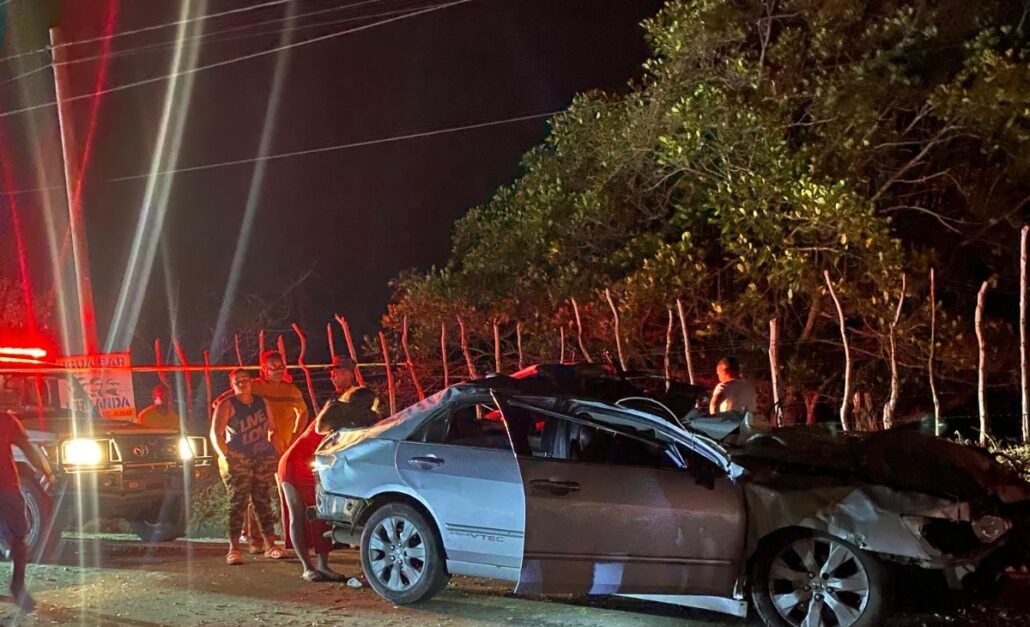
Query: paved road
<point x="119" y="582"/>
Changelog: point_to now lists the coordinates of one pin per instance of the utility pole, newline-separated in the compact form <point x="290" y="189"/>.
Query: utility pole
<point x="72" y="184"/>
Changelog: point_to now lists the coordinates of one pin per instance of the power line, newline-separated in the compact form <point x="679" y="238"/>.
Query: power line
<point x="239" y="59"/>
<point x="310" y="151"/>
<point x="145" y="29"/>
<point x="171" y="44"/>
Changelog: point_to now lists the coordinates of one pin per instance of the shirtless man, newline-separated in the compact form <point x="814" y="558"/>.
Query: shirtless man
<point x="733" y="391"/>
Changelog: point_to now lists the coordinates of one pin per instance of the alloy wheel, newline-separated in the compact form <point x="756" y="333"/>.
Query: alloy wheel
<point x="816" y="582"/>
<point x="397" y="553"/>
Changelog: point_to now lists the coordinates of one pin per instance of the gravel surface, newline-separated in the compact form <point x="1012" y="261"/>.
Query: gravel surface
<point x="112" y="580"/>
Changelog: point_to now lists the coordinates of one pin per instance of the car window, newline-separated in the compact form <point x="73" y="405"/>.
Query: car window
<point x="476" y="425"/>
<point x="546" y="434"/>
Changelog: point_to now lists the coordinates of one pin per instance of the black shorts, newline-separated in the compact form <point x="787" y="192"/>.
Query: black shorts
<point x="14" y="524"/>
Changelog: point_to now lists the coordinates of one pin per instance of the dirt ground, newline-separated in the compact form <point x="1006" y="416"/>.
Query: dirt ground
<point x="116" y="581"/>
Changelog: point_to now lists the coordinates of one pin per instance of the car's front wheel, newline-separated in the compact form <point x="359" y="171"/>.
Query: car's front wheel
<point x="402" y="555"/>
<point x="814" y="579"/>
<point x="45" y="524"/>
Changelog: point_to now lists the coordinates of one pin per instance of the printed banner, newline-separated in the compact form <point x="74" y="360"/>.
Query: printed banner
<point x="107" y="383"/>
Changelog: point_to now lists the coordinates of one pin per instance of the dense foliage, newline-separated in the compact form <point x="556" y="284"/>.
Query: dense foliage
<point x="767" y="142"/>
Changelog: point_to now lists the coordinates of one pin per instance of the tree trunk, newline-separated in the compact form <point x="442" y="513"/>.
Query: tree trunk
<point x="930" y="360"/>
<point x="350" y="348"/>
<point x="846" y="398"/>
<point x="774" y="369"/>
<point x="303" y="366"/>
<point x="579" y="333"/>
<point x="686" y="341"/>
<point x="332" y="344"/>
<point x="811" y="400"/>
<point x="618" y="330"/>
<point x="892" y="345"/>
<point x="981" y="387"/>
<point x="561" y="344"/>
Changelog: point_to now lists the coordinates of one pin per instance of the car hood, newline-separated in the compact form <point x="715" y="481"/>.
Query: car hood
<point x="902" y="459"/>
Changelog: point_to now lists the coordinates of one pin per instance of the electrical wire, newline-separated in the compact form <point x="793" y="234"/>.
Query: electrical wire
<point x="197" y="39"/>
<point x="247" y="57"/>
<point x="310" y="151"/>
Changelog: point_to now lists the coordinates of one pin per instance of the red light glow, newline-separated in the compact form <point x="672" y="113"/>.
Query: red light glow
<point x="11" y="351"/>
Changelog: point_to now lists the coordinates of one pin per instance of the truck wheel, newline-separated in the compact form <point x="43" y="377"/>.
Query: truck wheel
<point x="402" y="555"/>
<point x="811" y="578"/>
<point x="168" y="524"/>
<point x="44" y="538"/>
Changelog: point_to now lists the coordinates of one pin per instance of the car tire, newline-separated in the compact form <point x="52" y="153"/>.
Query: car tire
<point x="169" y="523"/>
<point x="407" y="566"/>
<point x="44" y="537"/>
<point x="805" y="572"/>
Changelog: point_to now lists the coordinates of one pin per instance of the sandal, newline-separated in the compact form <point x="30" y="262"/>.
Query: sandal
<point x="233" y="558"/>
<point x="275" y="553"/>
<point x="313" y="576"/>
<point x="256" y="548"/>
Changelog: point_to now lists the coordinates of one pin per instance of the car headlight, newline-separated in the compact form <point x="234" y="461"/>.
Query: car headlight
<point x="83" y="452"/>
<point x="989" y="528"/>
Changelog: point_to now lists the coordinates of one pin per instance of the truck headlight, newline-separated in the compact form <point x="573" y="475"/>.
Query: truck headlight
<point x="82" y="452"/>
<point x="186" y="449"/>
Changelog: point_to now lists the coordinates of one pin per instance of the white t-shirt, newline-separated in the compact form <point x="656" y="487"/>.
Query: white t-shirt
<point x="737" y="394"/>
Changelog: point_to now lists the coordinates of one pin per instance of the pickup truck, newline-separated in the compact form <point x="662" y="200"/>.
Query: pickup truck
<point x="111" y="469"/>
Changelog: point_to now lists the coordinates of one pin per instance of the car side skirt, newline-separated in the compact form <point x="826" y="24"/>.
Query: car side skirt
<point x="723" y="605"/>
<point x="486" y="571"/>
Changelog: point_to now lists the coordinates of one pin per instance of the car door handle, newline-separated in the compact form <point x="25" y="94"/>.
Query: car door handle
<point x="555" y="486"/>
<point x="426" y="462"/>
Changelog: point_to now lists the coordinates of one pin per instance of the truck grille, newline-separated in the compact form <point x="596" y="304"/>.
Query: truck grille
<point x="142" y="449"/>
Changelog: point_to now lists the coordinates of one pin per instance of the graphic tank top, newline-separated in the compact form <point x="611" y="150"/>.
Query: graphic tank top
<point x="247" y="430"/>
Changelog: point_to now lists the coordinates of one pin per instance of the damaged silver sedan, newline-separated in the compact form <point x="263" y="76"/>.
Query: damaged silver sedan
<point x="515" y="480"/>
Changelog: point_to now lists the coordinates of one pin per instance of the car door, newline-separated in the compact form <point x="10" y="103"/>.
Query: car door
<point x="461" y="463"/>
<point x="614" y="510"/>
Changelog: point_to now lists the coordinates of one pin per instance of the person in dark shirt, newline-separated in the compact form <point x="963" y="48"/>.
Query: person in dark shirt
<point x="13" y="522"/>
<point x="297" y="482"/>
<point x="242" y="433"/>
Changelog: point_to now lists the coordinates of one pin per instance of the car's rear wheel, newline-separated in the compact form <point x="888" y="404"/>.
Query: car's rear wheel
<point x="812" y="579"/>
<point x="402" y="555"/>
<point x="167" y="524"/>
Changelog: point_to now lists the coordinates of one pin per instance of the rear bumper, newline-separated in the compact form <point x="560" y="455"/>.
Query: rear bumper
<point x="338" y="509"/>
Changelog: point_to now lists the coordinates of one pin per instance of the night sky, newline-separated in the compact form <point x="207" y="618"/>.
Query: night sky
<point x="356" y="218"/>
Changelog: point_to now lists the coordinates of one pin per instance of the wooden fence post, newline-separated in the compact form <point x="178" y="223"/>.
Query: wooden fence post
<point x="280" y="346"/>
<point x="579" y="333"/>
<point x="332" y="343"/>
<point x="981" y="369"/>
<point x="892" y="347"/>
<point x="261" y="343"/>
<point x="389" y="375"/>
<point x="518" y="340"/>
<point x="410" y="364"/>
<point x="847" y="353"/>
<point x="561" y="344"/>
<point x="686" y="341"/>
<point x="158" y="362"/>
<point x="1024" y="377"/>
<point x="774" y="369"/>
<point x="239" y="354"/>
<point x="497" y="346"/>
<point x="304" y="368"/>
<point x="465" y="349"/>
<point x="207" y="383"/>
<point x="668" y="349"/>
<point x="350" y="348"/>
<point x="618" y="330"/>
<point x="930" y="360"/>
<point x="186" y="376"/>
<point x="443" y="354"/>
